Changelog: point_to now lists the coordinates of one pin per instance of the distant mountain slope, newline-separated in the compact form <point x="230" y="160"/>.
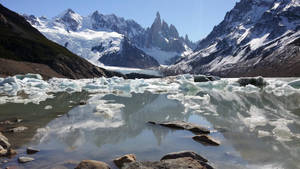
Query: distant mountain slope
<point x="78" y="34"/>
<point x="20" y="42"/>
<point x="257" y="37"/>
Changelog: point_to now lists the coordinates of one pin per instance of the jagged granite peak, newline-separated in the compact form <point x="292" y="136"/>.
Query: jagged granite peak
<point x="163" y="36"/>
<point x="251" y="38"/>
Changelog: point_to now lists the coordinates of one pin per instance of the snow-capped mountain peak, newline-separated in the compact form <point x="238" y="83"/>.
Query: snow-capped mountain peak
<point x="69" y="19"/>
<point x="252" y="35"/>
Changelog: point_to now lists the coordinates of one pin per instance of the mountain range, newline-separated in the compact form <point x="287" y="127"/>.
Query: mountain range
<point x="113" y="41"/>
<point x="257" y="37"/>
<point x="23" y="49"/>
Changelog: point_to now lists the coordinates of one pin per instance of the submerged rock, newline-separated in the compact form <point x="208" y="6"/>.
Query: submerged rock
<point x="206" y="140"/>
<point x="25" y="159"/>
<point x="182" y="160"/>
<point x="91" y="164"/>
<point x="11" y="152"/>
<point x="124" y="159"/>
<point x="31" y="150"/>
<point x="18" y="129"/>
<point x="256" y="81"/>
<point x="184" y="126"/>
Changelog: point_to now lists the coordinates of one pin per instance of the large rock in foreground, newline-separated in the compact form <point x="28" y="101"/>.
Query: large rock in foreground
<point x="121" y="161"/>
<point x="179" y="160"/>
<point x="91" y="164"/>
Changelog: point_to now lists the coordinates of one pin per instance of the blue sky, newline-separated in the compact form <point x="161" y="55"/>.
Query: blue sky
<point x="193" y="17"/>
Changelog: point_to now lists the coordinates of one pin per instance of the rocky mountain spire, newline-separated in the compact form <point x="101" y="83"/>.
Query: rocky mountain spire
<point x="157" y="24"/>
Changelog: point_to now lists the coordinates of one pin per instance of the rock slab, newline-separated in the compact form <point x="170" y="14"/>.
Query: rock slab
<point x="31" y="150"/>
<point x="25" y="159"/>
<point x="180" y="160"/>
<point x="92" y="164"/>
<point x="184" y="126"/>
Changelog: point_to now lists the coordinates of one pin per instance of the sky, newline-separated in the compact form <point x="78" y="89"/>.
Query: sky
<point x="196" y="18"/>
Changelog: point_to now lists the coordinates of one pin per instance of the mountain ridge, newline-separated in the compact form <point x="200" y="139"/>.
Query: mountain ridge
<point x="25" y="45"/>
<point x="254" y="35"/>
<point x="136" y="34"/>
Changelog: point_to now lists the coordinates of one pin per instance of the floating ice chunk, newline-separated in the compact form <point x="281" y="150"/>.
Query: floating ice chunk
<point x="295" y="84"/>
<point x="48" y="107"/>
<point x="263" y="133"/>
<point x="281" y="130"/>
<point x="29" y="75"/>
<point x="256" y="118"/>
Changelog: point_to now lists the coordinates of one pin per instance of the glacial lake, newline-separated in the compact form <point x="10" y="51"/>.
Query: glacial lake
<point x="257" y="127"/>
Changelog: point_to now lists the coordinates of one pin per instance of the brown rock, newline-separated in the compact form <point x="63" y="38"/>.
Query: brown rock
<point x="184" y="126"/>
<point x="11" y="152"/>
<point x="31" y="150"/>
<point x="3" y="151"/>
<point x="91" y="164"/>
<point x="124" y="159"/>
<point x="206" y="140"/>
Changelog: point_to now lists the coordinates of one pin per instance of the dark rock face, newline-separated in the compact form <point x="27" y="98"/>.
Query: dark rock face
<point x="256" y="81"/>
<point x="253" y="39"/>
<point x="129" y="28"/>
<point x="140" y="76"/>
<point x="129" y="56"/>
<point x="163" y="36"/>
<point x="203" y="78"/>
<point x="19" y="41"/>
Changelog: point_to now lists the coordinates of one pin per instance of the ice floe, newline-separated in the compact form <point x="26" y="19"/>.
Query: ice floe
<point x="248" y="107"/>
